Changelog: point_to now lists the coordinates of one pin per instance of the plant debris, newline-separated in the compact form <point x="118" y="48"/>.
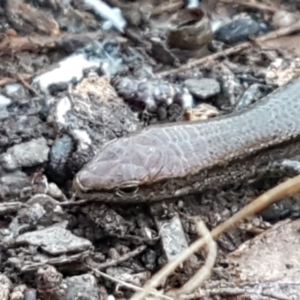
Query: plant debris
<point x="76" y="75"/>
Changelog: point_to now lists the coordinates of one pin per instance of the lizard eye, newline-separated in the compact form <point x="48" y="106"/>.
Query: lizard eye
<point x="131" y="190"/>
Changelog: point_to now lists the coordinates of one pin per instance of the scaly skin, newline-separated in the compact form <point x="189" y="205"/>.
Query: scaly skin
<point x="165" y="161"/>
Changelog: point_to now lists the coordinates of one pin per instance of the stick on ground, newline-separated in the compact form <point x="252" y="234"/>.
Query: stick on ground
<point x="289" y="187"/>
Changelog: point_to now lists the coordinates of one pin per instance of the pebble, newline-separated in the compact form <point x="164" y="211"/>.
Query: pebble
<point x="82" y="287"/>
<point x="15" y="91"/>
<point x="8" y="162"/>
<point x="54" y="240"/>
<point x="203" y="88"/>
<point x="5" y="287"/>
<point x="282" y="19"/>
<point x="4" y="103"/>
<point x="30" y="153"/>
<point x="253" y="94"/>
<point x="240" y="30"/>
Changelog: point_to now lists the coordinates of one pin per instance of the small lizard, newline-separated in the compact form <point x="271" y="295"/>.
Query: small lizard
<point x="166" y="161"/>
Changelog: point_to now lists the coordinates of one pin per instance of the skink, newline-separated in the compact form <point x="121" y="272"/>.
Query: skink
<point x="166" y="161"/>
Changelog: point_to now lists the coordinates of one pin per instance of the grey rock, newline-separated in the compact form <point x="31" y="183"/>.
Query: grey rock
<point x="30" y="294"/>
<point x="55" y="240"/>
<point x="11" y="184"/>
<point x="26" y="217"/>
<point x="4" y="102"/>
<point x="172" y="237"/>
<point x="83" y="287"/>
<point x="5" y="287"/>
<point x="253" y="94"/>
<point x="240" y="30"/>
<point x="30" y="153"/>
<point x="16" y="91"/>
<point x="8" y="162"/>
<point x="203" y="88"/>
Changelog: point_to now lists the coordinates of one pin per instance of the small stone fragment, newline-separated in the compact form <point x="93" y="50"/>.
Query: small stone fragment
<point x="54" y="212"/>
<point x="30" y="153"/>
<point x="108" y="219"/>
<point x="48" y="282"/>
<point x="8" y="162"/>
<point x="5" y="287"/>
<point x="15" y="91"/>
<point x="150" y="95"/>
<point x="283" y="18"/>
<point x="255" y="92"/>
<point x="172" y="236"/>
<point x="60" y="152"/>
<point x="11" y="184"/>
<point x="55" y="240"/>
<point x="240" y="30"/>
<point x="18" y="292"/>
<point x="83" y="287"/>
<point x="30" y="294"/>
<point x="25" y="126"/>
<point x="282" y="70"/>
<point x="55" y="192"/>
<point x="4" y="103"/>
<point x="203" y="88"/>
<point x="27" y="217"/>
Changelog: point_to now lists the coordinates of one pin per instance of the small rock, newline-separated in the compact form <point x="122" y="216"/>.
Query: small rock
<point x="30" y="294"/>
<point x="15" y="91"/>
<point x="8" y="162"/>
<point x="172" y="237"/>
<point x="203" y="88"/>
<point x="11" y="184"/>
<point x="108" y="219"/>
<point x="30" y="153"/>
<point x="54" y="212"/>
<point x="283" y="18"/>
<point x="18" y="292"/>
<point x="4" y="103"/>
<point x="5" y="287"/>
<point x="253" y="94"/>
<point x="49" y="283"/>
<point x="83" y="287"/>
<point x="55" y="192"/>
<point x="240" y="30"/>
<point x="6" y="236"/>
<point x="54" y="240"/>
<point x="60" y="152"/>
<point x="26" y="218"/>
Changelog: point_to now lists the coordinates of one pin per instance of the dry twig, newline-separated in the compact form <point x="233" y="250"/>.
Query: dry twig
<point x="289" y="187"/>
<point x="28" y="86"/>
<point x="7" y="80"/>
<point x="115" y="262"/>
<point x="37" y="43"/>
<point x="131" y="286"/>
<point x="273" y="35"/>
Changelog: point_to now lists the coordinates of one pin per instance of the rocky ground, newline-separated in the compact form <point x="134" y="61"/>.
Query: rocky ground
<point x="77" y="74"/>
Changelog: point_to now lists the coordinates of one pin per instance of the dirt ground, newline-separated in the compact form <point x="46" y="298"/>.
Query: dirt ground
<point x="75" y="75"/>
